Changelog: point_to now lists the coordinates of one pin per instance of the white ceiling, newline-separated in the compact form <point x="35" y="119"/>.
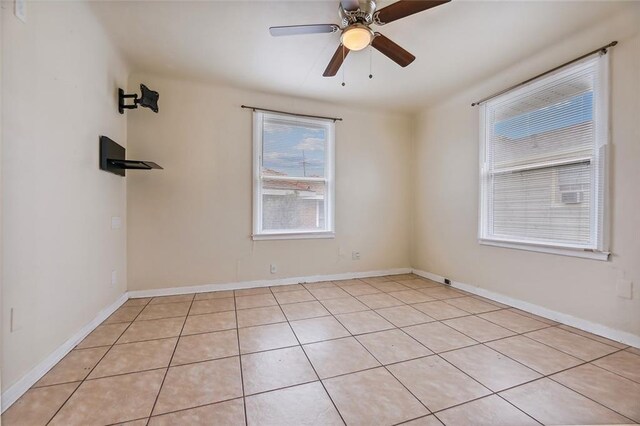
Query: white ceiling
<point x="228" y="42"/>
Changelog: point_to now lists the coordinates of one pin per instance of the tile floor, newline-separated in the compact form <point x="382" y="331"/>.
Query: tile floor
<point x="383" y="350"/>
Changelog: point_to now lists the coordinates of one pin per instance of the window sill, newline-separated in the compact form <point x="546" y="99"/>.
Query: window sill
<point x="563" y="251"/>
<point x="294" y="236"/>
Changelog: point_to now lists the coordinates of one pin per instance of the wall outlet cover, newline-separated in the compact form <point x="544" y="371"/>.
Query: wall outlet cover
<point x="355" y="255"/>
<point x="273" y="268"/>
<point x="116" y="222"/>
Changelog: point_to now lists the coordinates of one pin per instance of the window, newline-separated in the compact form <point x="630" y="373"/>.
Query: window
<point x="293" y="187"/>
<point x="542" y="163"/>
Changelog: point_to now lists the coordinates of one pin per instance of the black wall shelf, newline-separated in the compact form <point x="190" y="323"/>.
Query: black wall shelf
<point x="113" y="159"/>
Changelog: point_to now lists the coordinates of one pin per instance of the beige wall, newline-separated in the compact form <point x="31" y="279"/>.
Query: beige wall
<point x="446" y="205"/>
<point x="190" y="223"/>
<point x="60" y="76"/>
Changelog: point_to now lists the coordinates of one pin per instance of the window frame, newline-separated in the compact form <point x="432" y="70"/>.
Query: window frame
<point x="599" y="230"/>
<point x="258" y="233"/>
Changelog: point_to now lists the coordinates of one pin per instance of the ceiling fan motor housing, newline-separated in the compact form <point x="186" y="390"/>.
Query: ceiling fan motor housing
<point x="362" y="15"/>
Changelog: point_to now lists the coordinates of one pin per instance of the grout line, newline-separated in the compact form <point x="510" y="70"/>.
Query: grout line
<point x="244" y="401"/>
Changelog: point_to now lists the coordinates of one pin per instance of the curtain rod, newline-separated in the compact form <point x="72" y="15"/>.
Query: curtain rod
<point x="291" y="113"/>
<point x="602" y="50"/>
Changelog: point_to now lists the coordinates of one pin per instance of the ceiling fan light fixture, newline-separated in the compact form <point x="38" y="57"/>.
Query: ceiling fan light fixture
<point x="357" y="37"/>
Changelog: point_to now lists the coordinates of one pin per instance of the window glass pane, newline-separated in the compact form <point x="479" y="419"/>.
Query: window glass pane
<point x="293" y="149"/>
<point x="293" y="205"/>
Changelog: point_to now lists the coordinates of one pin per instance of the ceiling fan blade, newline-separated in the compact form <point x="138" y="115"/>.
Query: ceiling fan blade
<point x="391" y="50"/>
<point x="336" y="61"/>
<point x="403" y="8"/>
<point x="303" y="29"/>
<point x="350" y="4"/>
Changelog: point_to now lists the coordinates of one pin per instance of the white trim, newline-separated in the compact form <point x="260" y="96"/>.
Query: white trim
<point x="16" y="390"/>
<point x="264" y="283"/>
<point x="563" y="251"/>
<point x="582" y="324"/>
<point x="294" y="236"/>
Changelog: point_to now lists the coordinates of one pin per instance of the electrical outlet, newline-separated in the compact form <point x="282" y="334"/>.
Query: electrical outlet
<point x="274" y="268"/>
<point x="624" y="289"/>
<point x="116" y="222"/>
<point x="114" y="277"/>
<point x="355" y="255"/>
<point x="20" y="9"/>
<point x="447" y="281"/>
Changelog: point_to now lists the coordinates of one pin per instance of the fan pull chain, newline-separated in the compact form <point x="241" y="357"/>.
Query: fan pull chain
<point x="343" y="67"/>
<point x="370" y="62"/>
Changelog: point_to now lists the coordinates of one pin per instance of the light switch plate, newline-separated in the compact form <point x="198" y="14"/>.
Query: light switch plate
<point x="624" y="289"/>
<point x="20" y="9"/>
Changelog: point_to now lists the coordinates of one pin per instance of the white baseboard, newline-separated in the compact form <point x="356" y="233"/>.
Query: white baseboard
<point x="263" y="283"/>
<point x="12" y="394"/>
<point x="582" y="324"/>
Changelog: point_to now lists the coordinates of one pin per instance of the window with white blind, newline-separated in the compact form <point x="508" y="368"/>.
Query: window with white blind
<point x="542" y="163"/>
<point x="293" y="178"/>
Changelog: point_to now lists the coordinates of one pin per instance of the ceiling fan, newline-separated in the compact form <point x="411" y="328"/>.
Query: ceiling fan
<point x="356" y="18"/>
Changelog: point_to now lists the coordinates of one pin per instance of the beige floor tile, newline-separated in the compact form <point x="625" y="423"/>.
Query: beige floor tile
<point x="439" y="337"/>
<point x="325" y="293"/>
<point x="294" y="296"/>
<point x="535" y="317"/>
<point x="304" y="310"/>
<point x="374" y="280"/>
<point x="164" y="310"/>
<point x="441" y="293"/>
<point x="111" y="399"/>
<point x="578" y="346"/>
<point x="266" y="337"/>
<point x="437" y="383"/>
<point x="132" y="357"/>
<point x="210" y="322"/>
<point x="210" y="306"/>
<point x="344" y="305"/>
<point x="493" y="302"/>
<point x="615" y="392"/>
<point x="360" y="289"/>
<point x="364" y="322"/>
<point x="306" y="404"/>
<point x="411" y="296"/>
<point x="594" y="337"/>
<point x="393" y="346"/>
<point x="141" y="301"/>
<point x="204" y="347"/>
<point x="418" y="283"/>
<point x="402" y="316"/>
<point x="340" y="356"/>
<point x="223" y="294"/>
<point x="389" y="286"/>
<point x="491" y="368"/>
<point x="318" y="329"/>
<point x="553" y="404"/>
<point x="635" y="351"/>
<point x="623" y="363"/>
<point x="153" y="329"/>
<point x="286" y="287"/>
<point x="192" y="385"/>
<point x="172" y="299"/>
<point x="228" y="413"/>
<point x="139" y="422"/>
<point x="74" y="367"/>
<point x="359" y="404"/>
<point x="377" y="301"/>
<point x="321" y="284"/>
<point x="37" y="406"/>
<point x="255" y="301"/>
<point x="347" y="283"/>
<point x="489" y="411"/>
<point x="103" y="335"/>
<point x="260" y="316"/>
<point x="124" y="314"/>
<point x="265" y="371"/>
<point x="472" y="305"/>
<point x="513" y="321"/>
<point x="541" y="358"/>
<point x="252" y="291"/>
<point x="440" y="310"/>
<point x="429" y="420"/>
<point x="478" y="328"/>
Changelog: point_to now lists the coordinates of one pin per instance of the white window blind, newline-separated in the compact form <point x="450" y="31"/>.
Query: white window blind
<point x="542" y="161"/>
<point x="293" y="176"/>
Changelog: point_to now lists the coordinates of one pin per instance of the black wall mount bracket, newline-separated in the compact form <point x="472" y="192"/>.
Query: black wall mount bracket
<point x="112" y="159"/>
